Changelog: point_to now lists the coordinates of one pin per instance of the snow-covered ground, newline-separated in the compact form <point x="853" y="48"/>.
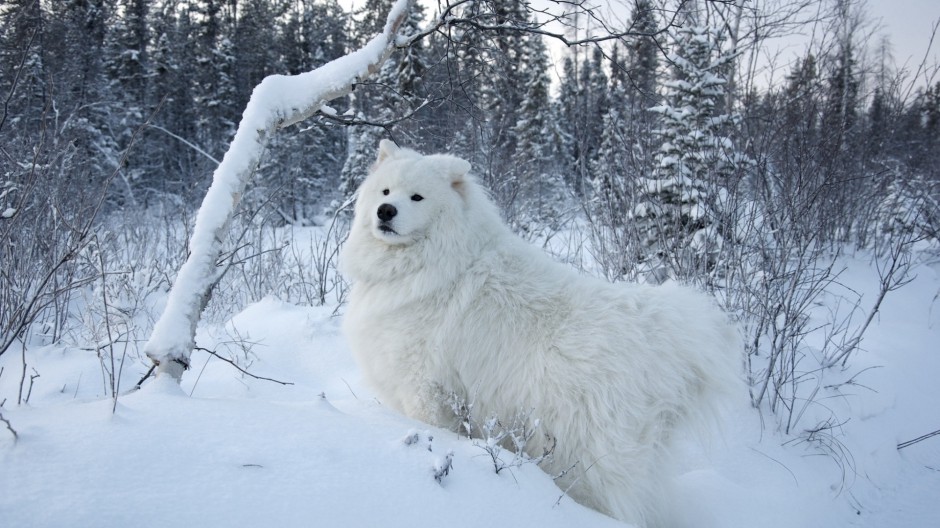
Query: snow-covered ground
<point x="225" y="449"/>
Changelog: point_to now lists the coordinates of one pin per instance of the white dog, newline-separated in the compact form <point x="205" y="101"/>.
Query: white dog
<point x="446" y="300"/>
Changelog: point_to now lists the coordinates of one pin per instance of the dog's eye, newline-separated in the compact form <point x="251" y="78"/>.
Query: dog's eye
<point x="416" y="197"/>
<point x="385" y="192"/>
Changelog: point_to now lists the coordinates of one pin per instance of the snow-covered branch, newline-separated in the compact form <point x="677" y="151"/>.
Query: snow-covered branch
<point x="278" y="101"/>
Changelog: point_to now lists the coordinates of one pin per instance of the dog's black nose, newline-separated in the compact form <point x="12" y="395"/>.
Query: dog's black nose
<point x="386" y="212"/>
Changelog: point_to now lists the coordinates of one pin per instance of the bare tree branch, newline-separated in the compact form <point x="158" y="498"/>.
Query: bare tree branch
<point x="185" y="142"/>
<point x="243" y="371"/>
<point x="491" y="23"/>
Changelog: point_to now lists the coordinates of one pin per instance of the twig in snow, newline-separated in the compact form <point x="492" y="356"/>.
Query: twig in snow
<point x="909" y="443"/>
<point x="9" y="427"/>
<point x="564" y="492"/>
<point x="350" y="388"/>
<point x="243" y="371"/>
<point x="147" y="375"/>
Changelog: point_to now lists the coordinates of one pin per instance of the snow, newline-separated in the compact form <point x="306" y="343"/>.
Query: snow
<point x="245" y="452"/>
<point x="225" y="449"/>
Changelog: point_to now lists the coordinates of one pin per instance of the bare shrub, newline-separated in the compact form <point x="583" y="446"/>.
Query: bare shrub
<point x="504" y="442"/>
<point x="49" y="212"/>
<point x="267" y="258"/>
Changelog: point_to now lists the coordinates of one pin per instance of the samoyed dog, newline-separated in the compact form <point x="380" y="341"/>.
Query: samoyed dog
<point x="446" y="301"/>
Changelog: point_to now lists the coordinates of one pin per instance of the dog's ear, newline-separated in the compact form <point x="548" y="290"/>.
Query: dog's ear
<point x="457" y="170"/>
<point x="387" y="149"/>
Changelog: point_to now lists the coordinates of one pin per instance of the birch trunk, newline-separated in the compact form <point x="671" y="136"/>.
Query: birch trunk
<point x="277" y="102"/>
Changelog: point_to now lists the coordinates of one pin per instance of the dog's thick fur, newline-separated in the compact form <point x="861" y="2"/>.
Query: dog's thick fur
<point x="445" y="299"/>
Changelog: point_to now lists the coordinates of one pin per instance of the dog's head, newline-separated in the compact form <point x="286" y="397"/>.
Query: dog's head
<point x="406" y="194"/>
<point x="418" y="218"/>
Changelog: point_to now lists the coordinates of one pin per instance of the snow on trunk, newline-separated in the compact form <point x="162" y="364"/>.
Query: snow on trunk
<point x="277" y="102"/>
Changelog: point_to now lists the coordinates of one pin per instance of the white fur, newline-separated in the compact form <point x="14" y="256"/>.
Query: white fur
<point x="453" y="302"/>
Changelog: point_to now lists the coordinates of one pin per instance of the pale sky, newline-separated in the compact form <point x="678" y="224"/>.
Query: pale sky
<point x="907" y="23"/>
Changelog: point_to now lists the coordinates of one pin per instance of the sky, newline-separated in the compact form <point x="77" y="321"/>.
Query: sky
<point x="908" y="24"/>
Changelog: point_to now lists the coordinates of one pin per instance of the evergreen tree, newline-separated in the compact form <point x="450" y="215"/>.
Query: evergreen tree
<point x="930" y="141"/>
<point x="80" y="84"/>
<point x="612" y="178"/>
<point x="841" y="143"/>
<point x="626" y="142"/>
<point x="516" y="137"/>
<point x="641" y="86"/>
<point x="411" y="67"/>
<point x="213" y="80"/>
<point x="609" y="174"/>
<point x="173" y="167"/>
<point x="461" y="86"/>
<point x="313" y="34"/>
<point x="584" y="96"/>
<point x="529" y="131"/>
<point x="23" y="118"/>
<point x="879" y="126"/>
<point x="391" y="94"/>
<point x="126" y="57"/>
<point x="127" y="50"/>
<point x="253" y="47"/>
<point x="643" y="65"/>
<point x="679" y="209"/>
<point x="841" y="107"/>
<point x="22" y="68"/>
<point x="801" y="101"/>
<point x="595" y="104"/>
<point x="448" y="91"/>
<point x="797" y="124"/>
<point x="536" y="135"/>
<point x="304" y="178"/>
<point x="502" y="97"/>
<point x="569" y="104"/>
